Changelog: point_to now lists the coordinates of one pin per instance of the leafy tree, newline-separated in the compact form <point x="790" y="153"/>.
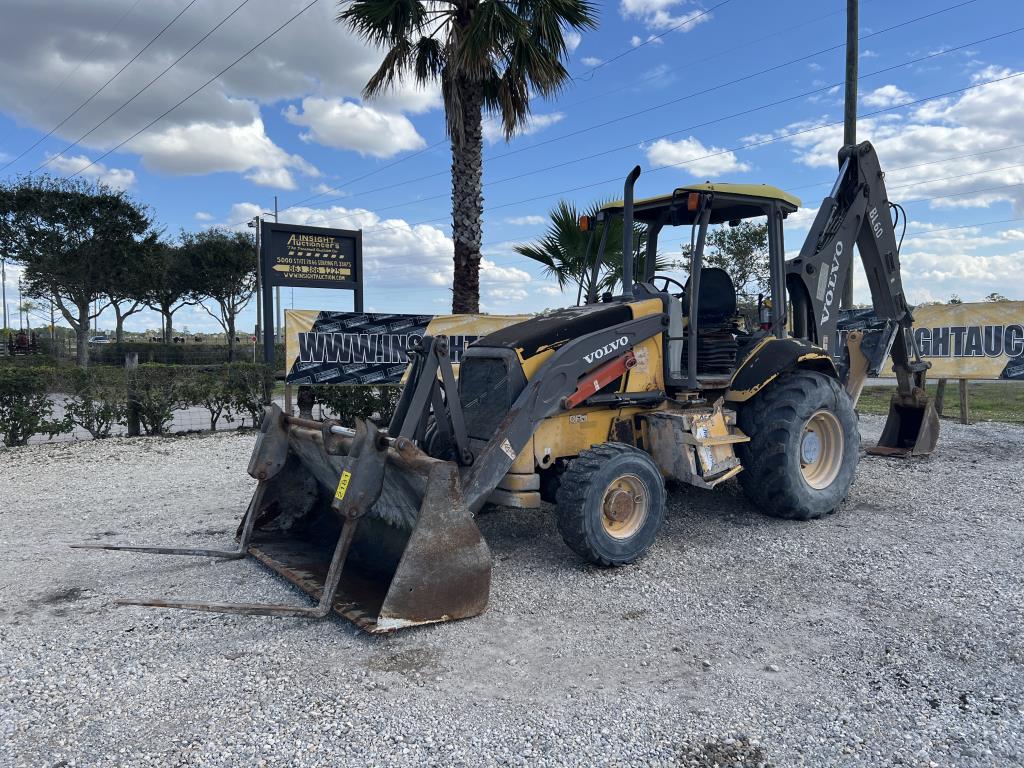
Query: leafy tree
<point x="955" y="299"/>
<point x="128" y="285"/>
<point x="168" y="275"/>
<point x="996" y="297"/>
<point x="562" y="250"/>
<point x="224" y="264"/>
<point x="742" y="251"/>
<point x="69" y="235"/>
<point x="489" y="55"/>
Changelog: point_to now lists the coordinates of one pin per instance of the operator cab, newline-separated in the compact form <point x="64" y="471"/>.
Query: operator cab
<point x="703" y="311"/>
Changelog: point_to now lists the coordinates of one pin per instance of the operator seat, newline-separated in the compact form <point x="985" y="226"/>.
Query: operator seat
<point x="716" y="325"/>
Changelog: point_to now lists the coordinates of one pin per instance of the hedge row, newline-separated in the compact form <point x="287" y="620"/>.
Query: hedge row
<point x="100" y="398"/>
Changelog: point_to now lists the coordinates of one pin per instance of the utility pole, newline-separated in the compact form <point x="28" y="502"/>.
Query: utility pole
<point x="279" y="329"/>
<point x="850" y="111"/>
<point x="3" y="287"/>
<point x="259" y="281"/>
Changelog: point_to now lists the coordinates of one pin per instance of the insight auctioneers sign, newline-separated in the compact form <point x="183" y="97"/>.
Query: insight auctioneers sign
<point x="983" y="340"/>
<point x="370" y="348"/>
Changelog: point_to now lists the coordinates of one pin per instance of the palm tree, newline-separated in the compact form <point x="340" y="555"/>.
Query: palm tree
<point x="562" y="250"/>
<point x="488" y="55"/>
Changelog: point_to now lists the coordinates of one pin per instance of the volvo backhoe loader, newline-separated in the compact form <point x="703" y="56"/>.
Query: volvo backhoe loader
<point x="594" y="407"/>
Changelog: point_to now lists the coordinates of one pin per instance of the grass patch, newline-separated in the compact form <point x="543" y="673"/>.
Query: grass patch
<point x="989" y="401"/>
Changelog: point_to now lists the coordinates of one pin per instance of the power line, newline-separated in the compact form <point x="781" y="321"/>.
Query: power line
<point x="164" y="114"/>
<point x="692" y="20"/>
<point x="704" y="124"/>
<point x="141" y="90"/>
<point x="760" y="143"/>
<point x="99" y="90"/>
<point x="730" y="150"/>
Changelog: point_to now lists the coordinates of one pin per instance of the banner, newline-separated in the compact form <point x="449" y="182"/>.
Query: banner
<point x="370" y="348"/>
<point x="983" y="340"/>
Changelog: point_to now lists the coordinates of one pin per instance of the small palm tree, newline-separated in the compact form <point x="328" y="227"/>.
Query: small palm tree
<point x="562" y="250"/>
<point x="488" y="55"/>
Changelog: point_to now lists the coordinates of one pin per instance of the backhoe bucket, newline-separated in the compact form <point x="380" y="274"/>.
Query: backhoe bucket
<point x="371" y="527"/>
<point x="911" y="429"/>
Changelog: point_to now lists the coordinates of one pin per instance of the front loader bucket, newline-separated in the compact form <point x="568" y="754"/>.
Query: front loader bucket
<point x="416" y="557"/>
<point x="409" y="554"/>
<point x="911" y="428"/>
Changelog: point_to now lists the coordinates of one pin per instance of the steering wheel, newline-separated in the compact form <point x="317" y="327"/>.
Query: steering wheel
<point x="667" y="281"/>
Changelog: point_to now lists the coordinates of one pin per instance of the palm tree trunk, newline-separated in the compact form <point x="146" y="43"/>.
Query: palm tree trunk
<point x="468" y="200"/>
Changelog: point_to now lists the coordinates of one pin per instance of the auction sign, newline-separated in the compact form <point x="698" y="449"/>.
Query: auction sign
<point x="359" y="348"/>
<point x="983" y="340"/>
<point x="307" y="257"/>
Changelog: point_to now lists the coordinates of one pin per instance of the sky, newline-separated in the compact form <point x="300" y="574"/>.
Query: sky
<point x="737" y="91"/>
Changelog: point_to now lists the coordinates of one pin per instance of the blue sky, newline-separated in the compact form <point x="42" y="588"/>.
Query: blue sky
<point x="288" y="121"/>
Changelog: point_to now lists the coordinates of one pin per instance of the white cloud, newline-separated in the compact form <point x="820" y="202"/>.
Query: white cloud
<point x="493" y="131"/>
<point x="44" y="40"/>
<point x="867" y="53"/>
<point x="591" y="61"/>
<point x="326" y="189"/>
<point x="501" y="295"/>
<point x="573" y="40"/>
<point x="118" y="178"/>
<point x="531" y="220"/>
<point x="980" y="122"/>
<point x="886" y="96"/>
<point x="204" y="216"/>
<point x="549" y="290"/>
<point x="658" y="14"/>
<point x="204" y="147"/>
<point x="636" y="41"/>
<point x="492" y="273"/>
<point x="694" y="157"/>
<point x="346" y="125"/>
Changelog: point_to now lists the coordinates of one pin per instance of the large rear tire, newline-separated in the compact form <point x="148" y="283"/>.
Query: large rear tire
<point x="804" y="446"/>
<point x="611" y="504"/>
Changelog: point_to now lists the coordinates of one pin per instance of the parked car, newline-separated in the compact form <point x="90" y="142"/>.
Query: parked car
<point x="101" y="339"/>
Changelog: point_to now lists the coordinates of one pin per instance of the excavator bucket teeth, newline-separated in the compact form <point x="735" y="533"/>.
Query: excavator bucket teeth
<point x="911" y="428"/>
<point x="410" y="555"/>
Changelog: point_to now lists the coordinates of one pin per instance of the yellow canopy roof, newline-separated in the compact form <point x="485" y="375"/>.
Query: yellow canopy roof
<point x="731" y="201"/>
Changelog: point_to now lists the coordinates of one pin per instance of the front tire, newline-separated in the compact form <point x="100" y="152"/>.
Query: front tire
<point x="804" y="446"/>
<point x="611" y="504"/>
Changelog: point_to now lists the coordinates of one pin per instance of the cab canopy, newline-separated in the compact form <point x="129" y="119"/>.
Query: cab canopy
<point x="730" y="202"/>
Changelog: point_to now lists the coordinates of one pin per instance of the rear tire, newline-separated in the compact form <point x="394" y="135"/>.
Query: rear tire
<point x="804" y="446"/>
<point x="611" y="504"/>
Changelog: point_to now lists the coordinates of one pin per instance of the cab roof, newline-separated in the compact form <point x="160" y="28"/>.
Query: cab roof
<point x="730" y="202"/>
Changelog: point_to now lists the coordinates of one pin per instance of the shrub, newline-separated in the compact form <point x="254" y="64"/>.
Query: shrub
<point x="25" y="406"/>
<point x="209" y="388"/>
<point x="97" y="399"/>
<point x="157" y="391"/>
<point x="248" y="385"/>
<point x="350" y="402"/>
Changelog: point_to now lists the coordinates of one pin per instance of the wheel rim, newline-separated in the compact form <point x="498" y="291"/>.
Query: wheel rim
<point x="624" y="506"/>
<point x="821" y="449"/>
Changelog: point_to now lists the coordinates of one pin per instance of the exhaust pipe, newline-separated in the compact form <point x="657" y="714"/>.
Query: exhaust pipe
<point x="627" y="233"/>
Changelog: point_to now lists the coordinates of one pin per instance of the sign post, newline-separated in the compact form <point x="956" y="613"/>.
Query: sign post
<point x="307" y="257"/>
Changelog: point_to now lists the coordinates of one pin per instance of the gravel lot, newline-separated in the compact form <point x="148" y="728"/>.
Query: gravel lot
<point x="888" y="634"/>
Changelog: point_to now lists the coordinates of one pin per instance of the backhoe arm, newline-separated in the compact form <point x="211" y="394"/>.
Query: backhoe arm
<point x="857" y="212"/>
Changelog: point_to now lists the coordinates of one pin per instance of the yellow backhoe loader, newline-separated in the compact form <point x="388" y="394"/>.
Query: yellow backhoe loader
<point x="593" y="407"/>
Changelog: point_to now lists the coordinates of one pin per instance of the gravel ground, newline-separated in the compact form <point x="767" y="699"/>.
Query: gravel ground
<point x="887" y="634"/>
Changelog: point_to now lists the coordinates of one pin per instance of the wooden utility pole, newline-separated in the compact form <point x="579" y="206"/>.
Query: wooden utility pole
<point x="850" y="111"/>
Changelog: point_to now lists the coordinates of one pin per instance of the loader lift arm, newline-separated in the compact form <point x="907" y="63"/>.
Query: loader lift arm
<point x="858" y="212"/>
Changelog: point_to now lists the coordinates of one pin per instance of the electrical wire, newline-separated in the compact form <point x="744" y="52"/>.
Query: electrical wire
<point x="138" y="93"/>
<point x="164" y="114"/>
<point x="632" y="144"/>
<point x="95" y="93"/>
<point x="718" y="153"/>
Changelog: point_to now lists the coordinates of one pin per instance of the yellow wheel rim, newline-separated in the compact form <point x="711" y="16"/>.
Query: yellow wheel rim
<point x="821" y="449"/>
<point x="624" y="506"/>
